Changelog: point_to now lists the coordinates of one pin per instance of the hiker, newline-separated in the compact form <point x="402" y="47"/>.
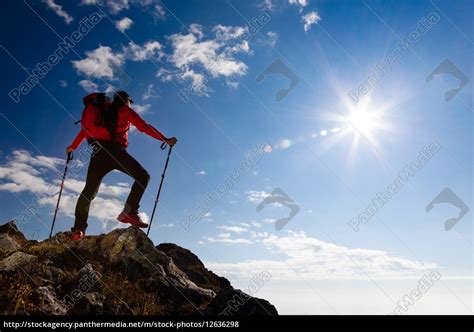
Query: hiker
<point x="106" y="126"/>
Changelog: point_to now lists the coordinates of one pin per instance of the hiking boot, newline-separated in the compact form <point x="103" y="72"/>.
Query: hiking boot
<point x="77" y="235"/>
<point x="133" y="219"/>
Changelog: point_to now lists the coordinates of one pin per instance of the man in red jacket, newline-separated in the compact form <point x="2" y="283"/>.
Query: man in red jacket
<point x="109" y="135"/>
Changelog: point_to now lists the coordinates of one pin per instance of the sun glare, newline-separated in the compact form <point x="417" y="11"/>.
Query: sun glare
<point x="365" y="123"/>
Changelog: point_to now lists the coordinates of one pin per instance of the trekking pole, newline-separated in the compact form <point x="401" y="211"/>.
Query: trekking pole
<point x="69" y="158"/>
<point x="163" y="146"/>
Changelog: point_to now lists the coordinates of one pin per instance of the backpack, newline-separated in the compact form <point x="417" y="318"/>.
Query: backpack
<point x="95" y="108"/>
<point x="94" y="117"/>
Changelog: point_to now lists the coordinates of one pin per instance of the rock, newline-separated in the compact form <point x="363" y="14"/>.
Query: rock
<point x="16" y="260"/>
<point x="8" y="243"/>
<point x="118" y="273"/>
<point x="48" y="303"/>
<point x="190" y="264"/>
<point x="132" y="251"/>
<point x="91" y="303"/>
<point x="233" y="302"/>
<point x="11" y="237"/>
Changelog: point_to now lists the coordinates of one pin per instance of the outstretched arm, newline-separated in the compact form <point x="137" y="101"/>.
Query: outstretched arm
<point x="77" y="141"/>
<point x="146" y="128"/>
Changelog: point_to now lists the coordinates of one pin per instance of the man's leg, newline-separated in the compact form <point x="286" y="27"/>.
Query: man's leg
<point x="128" y="165"/>
<point x="98" y="168"/>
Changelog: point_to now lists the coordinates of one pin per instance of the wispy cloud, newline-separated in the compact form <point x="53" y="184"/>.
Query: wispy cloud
<point x="165" y="225"/>
<point x="150" y="93"/>
<point x="89" y="86"/>
<point x="256" y="196"/>
<point x="159" y="11"/>
<point x="234" y="229"/>
<point x="272" y="38"/>
<point x="312" y="258"/>
<point x="300" y="3"/>
<point x="225" y="239"/>
<point x="147" y="51"/>
<point x="141" y="109"/>
<point x="59" y="11"/>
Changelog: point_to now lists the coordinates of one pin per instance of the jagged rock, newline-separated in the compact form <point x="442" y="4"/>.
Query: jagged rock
<point x="118" y="273"/>
<point x="48" y="303"/>
<point x="8" y="243"/>
<point x="10" y="237"/>
<point x="234" y="302"/>
<point x="16" y="261"/>
<point x="194" y="268"/>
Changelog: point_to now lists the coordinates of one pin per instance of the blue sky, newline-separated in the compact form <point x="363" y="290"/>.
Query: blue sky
<point x="330" y="153"/>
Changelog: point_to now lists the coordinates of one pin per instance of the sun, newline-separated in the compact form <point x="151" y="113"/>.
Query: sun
<point x="364" y="124"/>
<point x="363" y="121"/>
<point x="367" y="120"/>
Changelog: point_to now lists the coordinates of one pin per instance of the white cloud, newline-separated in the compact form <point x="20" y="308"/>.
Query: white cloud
<point x="116" y="6"/>
<point x="267" y="4"/>
<point x="150" y="93"/>
<point x="299" y="3"/>
<point x="310" y="19"/>
<point x="256" y="196"/>
<point x="154" y="7"/>
<point x="165" y="225"/>
<point x="213" y="57"/>
<point x="76" y="186"/>
<point x="233" y="229"/>
<point x="63" y="83"/>
<point x="141" y="109"/>
<point x="197" y="30"/>
<point x="272" y="38"/>
<point x="201" y="173"/>
<point x="207" y="217"/>
<point x="59" y="11"/>
<point x="40" y="176"/>
<point x="147" y="51"/>
<point x="315" y="259"/>
<point x="159" y="11"/>
<point x="227" y="33"/>
<point x="232" y="84"/>
<point x="89" y="86"/>
<point x="104" y="63"/>
<point x="99" y="63"/>
<point x="228" y="240"/>
<point x="123" y="24"/>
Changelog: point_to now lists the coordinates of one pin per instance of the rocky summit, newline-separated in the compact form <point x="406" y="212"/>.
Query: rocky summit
<point x="119" y="273"/>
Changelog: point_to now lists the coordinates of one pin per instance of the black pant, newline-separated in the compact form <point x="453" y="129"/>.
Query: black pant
<point x="106" y="157"/>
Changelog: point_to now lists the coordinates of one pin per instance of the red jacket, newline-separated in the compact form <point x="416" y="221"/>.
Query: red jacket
<point x="126" y="116"/>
